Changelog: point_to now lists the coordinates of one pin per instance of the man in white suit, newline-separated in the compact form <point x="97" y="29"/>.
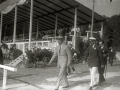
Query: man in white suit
<point x="64" y="59"/>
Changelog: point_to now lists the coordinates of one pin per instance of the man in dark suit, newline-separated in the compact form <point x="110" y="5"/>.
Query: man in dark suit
<point x="111" y="55"/>
<point x="95" y="54"/>
<point x="105" y="55"/>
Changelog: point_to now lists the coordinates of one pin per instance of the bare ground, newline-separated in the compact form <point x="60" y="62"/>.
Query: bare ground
<point x="45" y="78"/>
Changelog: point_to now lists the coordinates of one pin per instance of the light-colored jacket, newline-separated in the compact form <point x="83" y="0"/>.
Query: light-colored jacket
<point x="63" y="53"/>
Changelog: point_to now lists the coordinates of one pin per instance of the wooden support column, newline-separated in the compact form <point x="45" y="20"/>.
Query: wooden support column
<point x="101" y="33"/>
<point x="5" y="33"/>
<point x="87" y="35"/>
<point x="91" y="34"/>
<point x="15" y="24"/>
<point x="1" y="28"/>
<point x="4" y="79"/>
<point x="30" y="27"/>
<point x="37" y="28"/>
<point x="75" y="25"/>
<point x="56" y="20"/>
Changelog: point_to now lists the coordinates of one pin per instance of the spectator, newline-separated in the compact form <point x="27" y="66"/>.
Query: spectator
<point x="111" y="55"/>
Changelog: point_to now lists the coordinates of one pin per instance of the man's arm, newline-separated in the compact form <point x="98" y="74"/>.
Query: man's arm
<point x="69" y="55"/>
<point x="53" y="57"/>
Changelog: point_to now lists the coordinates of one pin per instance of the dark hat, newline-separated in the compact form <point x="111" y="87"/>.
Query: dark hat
<point x="61" y="33"/>
<point x="4" y="46"/>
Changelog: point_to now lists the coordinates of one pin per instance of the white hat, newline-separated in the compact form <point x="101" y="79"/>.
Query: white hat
<point x="59" y="37"/>
<point x="92" y="38"/>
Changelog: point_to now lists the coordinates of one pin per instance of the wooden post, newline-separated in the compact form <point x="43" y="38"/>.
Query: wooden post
<point x="92" y="18"/>
<point x="15" y="24"/>
<point x="5" y="33"/>
<point x="56" y="26"/>
<point x="30" y="27"/>
<point x="87" y="35"/>
<point x="1" y="27"/>
<point x="37" y="28"/>
<point x="5" y="74"/>
<point x="75" y="25"/>
<point x="101" y="33"/>
<point x="4" y="79"/>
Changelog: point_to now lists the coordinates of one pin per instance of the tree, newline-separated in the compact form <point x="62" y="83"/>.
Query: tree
<point x="112" y="31"/>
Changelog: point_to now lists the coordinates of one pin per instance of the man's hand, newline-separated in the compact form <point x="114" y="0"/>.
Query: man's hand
<point x="83" y="62"/>
<point x="102" y="66"/>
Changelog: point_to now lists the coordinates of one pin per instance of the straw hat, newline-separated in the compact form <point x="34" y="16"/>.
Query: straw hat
<point x="92" y="38"/>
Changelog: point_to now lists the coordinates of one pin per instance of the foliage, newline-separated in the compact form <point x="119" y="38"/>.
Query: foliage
<point x="38" y="55"/>
<point x="112" y="31"/>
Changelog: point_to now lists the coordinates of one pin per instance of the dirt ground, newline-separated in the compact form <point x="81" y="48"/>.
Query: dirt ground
<point x="45" y="78"/>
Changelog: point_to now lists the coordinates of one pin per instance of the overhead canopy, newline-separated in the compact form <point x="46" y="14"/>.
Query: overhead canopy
<point x="45" y="11"/>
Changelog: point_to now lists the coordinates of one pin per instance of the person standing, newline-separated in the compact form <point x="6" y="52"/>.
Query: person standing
<point x="105" y="55"/>
<point x="94" y="53"/>
<point x="64" y="59"/>
<point x="111" y="55"/>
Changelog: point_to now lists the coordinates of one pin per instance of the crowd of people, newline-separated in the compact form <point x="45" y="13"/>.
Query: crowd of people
<point x="9" y="53"/>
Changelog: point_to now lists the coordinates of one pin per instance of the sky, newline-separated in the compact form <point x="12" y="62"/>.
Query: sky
<point x="103" y="7"/>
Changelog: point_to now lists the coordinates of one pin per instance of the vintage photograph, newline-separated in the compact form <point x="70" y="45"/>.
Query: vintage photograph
<point x="59" y="44"/>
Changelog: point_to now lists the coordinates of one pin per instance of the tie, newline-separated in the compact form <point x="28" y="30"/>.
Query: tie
<point x="59" y="49"/>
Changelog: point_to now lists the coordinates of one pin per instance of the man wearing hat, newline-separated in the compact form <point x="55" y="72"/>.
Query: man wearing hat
<point x="15" y="53"/>
<point x="105" y="55"/>
<point x="111" y="55"/>
<point x="95" y="54"/>
<point x="64" y="57"/>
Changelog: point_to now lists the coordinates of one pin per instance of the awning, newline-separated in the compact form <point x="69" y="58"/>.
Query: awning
<point x="45" y="11"/>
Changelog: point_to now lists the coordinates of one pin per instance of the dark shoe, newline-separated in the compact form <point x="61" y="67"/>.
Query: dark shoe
<point x="90" y="88"/>
<point x="65" y="86"/>
<point x="95" y="85"/>
<point x="56" y="89"/>
<point x="101" y="81"/>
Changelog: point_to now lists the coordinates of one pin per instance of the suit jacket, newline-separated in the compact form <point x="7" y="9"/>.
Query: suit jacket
<point x="63" y="53"/>
<point x="105" y="54"/>
<point x="1" y="57"/>
<point x="95" y="55"/>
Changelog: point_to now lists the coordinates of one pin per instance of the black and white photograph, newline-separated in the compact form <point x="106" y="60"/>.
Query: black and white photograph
<point x="59" y="44"/>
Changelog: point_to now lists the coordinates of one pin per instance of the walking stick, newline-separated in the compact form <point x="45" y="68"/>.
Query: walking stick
<point x="105" y="70"/>
<point x="106" y="67"/>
